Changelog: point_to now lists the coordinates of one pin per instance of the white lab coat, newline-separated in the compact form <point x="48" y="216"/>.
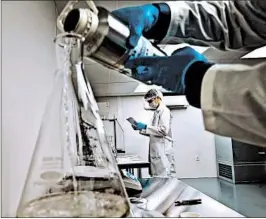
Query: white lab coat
<point x="233" y="97"/>
<point x="161" y="154"/>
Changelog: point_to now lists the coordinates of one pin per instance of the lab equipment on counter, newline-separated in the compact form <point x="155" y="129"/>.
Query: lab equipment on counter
<point x="115" y="134"/>
<point x="106" y="38"/>
<point x="73" y="172"/>
<point x="130" y="162"/>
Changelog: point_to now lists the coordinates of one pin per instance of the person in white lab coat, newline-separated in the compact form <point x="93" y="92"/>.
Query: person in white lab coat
<point x="232" y="97"/>
<point x="161" y="155"/>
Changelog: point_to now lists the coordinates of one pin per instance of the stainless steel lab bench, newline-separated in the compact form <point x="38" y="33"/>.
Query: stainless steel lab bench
<point x="247" y="199"/>
<point x="160" y="194"/>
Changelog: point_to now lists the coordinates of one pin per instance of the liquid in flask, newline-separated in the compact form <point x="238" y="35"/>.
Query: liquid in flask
<point x="73" y="172"/>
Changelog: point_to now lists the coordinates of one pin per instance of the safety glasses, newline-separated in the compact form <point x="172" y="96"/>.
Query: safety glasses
<point x="151" y="100"/>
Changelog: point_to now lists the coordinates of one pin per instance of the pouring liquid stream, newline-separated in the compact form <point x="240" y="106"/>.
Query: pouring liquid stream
<point x="68" y="50"/>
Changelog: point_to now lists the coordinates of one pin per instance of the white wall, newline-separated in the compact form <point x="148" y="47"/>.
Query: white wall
<point x="28" y="67"/>
<point x="1" y="193"/>
<point x="192" y="140"/>
<point x="188" y="132"/>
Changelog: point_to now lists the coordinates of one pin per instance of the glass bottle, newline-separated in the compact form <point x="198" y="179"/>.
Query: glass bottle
<point x="73" y="172"/>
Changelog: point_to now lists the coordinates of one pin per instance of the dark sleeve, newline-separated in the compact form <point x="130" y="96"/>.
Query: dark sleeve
<point x="193" y="81"/>
<point x="226" y="25"/>
<point x="159" y="30"/>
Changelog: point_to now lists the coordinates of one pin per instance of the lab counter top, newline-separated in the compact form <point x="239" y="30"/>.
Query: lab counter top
<point x="159" y="196"/>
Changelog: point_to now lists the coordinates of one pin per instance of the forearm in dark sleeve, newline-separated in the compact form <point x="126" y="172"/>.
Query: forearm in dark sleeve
<point x="159" y="30"/>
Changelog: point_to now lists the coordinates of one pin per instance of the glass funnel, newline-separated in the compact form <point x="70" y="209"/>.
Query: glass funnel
<point x="73" y="172"/>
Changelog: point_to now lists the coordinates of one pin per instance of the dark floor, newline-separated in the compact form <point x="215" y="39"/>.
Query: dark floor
<point x="247" y="199"/>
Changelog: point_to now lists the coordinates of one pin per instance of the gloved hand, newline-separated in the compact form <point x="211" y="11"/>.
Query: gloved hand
<point x="139" y="126"/>
<point x="139" y="19"/>
<point x="168" y="72"/>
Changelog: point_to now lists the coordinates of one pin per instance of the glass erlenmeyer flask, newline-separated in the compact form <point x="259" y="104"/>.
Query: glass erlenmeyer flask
<point x="73" y="172"/>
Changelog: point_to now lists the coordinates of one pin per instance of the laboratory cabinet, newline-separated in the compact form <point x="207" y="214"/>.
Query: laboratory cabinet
<point x="238" y="162"/>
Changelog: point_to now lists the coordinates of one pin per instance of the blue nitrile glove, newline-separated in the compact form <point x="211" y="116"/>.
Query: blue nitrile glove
<point x="139" y="126"/>
<point x="168" y="72"/>
<point x="139" y="19"/>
